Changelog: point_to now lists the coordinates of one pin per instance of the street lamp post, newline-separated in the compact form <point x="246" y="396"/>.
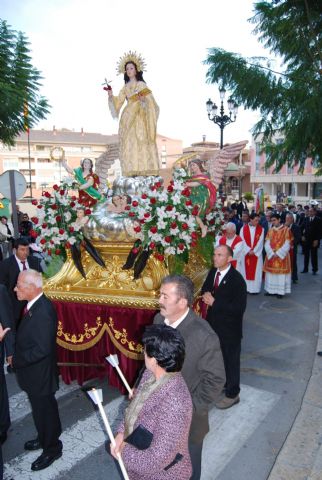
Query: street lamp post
<point x="222" y="120"/>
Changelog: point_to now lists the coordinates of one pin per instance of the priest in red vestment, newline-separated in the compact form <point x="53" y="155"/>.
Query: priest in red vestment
<point x="252" y="235"/>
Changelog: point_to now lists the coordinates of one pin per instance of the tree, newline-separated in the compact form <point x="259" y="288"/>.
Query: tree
<point x="290" y="101"/>
<point x="21" y="106"/>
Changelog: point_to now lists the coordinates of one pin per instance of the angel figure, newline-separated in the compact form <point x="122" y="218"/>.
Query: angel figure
<point x="203" y="192"/>
<point x="137" y="129"/>
<point x="87" y="180"/>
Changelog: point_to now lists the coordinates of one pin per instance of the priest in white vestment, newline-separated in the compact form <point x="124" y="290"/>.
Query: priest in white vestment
<point x="252" y="235"/>
<point x="233" y="241"/>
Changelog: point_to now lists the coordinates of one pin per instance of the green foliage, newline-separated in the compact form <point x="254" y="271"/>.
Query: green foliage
<point x="248" y="196"/>
<point x="289" y="102"/>
<point x="20" y="104"/>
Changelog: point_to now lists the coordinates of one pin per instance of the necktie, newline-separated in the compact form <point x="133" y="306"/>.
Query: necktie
<point x="216" y="285"/>
<point x="24" y="266"/>
<point x="8" y="230"/>
<point x="25" y="310"/>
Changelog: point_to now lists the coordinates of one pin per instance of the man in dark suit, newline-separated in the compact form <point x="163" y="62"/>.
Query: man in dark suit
<point x="296" y="232"/>
<point x="10" y="269"/>
<point x="311" y="236"/>
<point x="3" y="332"/>
<point x="225" y="293"/>
<point x="203" y="368"/>
<point x="35" y="364"/>
<point x="6" y="351"/>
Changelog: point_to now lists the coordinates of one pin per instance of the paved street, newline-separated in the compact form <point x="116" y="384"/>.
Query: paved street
<point x="279" y="347"/>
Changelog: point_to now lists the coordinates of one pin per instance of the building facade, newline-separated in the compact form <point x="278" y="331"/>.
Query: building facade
<point x="287" y="184"/>
<point x="32" y="157"/>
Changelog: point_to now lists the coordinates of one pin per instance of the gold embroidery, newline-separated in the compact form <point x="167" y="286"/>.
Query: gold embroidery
<point x="122" y="337"/>
<point x="79" y="337"/>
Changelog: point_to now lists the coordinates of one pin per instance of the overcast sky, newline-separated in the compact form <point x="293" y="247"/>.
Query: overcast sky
<point x="77" y="43"/>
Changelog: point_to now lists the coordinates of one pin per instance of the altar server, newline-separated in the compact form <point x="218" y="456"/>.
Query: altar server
<point x="235" y="242"/>
<point x="252" y="235"/>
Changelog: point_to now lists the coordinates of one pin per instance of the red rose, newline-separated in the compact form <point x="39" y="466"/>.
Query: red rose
<point x="62" y="192"/>
<point x="47" y="195"/>
<point x="142" y="221"/>
<point x="181" y="246"/>
<point x="72" y="204"/>
<point x="135" y="203"/>
<point x="44" y="225"/>
<point x="152" y="188"/>
<point x="67" y="245"/>
<point x="171" y="182"/>
<point x="157" y="184"/>
<point x="131" y="214"/>
<point x="34" y="220"/>
<point x="56" y="187"/>
<point x="73" y="198"/>
<point x="186" y="192"/>
<point x="173" y="225"/>
<point x="127" y="207"/>
<point x="153" y="229"/>
<point x="137" y="229"/>
<point x="88" y="211"/>
<point x="51" y="242"/>
<point x="152" y="245"/>
<point x="193" y="244"/>
<point x="194" y="235"/>
<point x="61" y="231"/>
<point x="107" y="88"/>
<point x="34" y="202"/>
<point x="170" y="188"/>
<point x="71" y="229"/>
<point x="58" y="218"/>
<point x="188" y="203"/>
<point x="184" y="226"/>
<point x="160" y="257"/>
<point x="49" y="252"/>
<point x="153" y="200"/>
<point x="43" y="241"/>
<point x="168" y="239"/>
<point x="169" y="208"/>
<point x="147" y="215"/>
<point x="33" y="234"/>
<point x="144" y="196"/>
<point x="195" y="210"/>
<point x="135" y="250"/>
<point x="54" y="206"/>
<point x="57" y="251"/>
<point x="212" y="221"/>
<point x="39" y="206"/>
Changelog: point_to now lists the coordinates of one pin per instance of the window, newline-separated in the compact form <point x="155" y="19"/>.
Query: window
<point x="257" y="158"/>
<point x="10" y="164"/>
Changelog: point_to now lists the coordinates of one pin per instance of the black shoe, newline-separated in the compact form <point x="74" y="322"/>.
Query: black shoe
<point x="44" y="461"/>
<point x="319" y="353"/>
<point x="3" y="437"/>
<point x="32" y="445"/>
<point x="268" y="294"/>
<point x="304" y="271"/>
<point x="279" y="296"/>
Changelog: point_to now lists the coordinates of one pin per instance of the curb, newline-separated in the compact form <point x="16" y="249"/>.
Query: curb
<point x="300" y="458"/>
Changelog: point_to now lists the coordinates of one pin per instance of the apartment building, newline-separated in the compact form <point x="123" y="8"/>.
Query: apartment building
<point x="32" y="157"/>
<point x="288" y="184"/>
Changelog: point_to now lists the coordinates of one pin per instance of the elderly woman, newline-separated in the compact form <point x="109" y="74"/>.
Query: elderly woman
<point x="153" y="438"/>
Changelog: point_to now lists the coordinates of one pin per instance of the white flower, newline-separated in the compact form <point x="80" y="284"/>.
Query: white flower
<point x="176" y="199"/>
<point x="160" y="211"/>
<point x="67" y="216"/>
<point x="72" y="240"/>
<point x="172" y="213"/>
<point x="182" y="217"/>
<point x="162" y="197"/>
<point x="161" y="224"/>
<point x="174" y="231"/>
<point x="169" y="250"/>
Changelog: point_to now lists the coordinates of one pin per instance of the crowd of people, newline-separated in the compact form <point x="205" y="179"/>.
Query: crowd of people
<point x="265" y="244"/>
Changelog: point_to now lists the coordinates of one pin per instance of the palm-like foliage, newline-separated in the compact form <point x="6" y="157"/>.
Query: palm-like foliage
<point x="20" y="104"/>
<point x="290" y="102"/>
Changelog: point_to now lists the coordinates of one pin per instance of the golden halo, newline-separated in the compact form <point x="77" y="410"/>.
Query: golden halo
<point x="131" y="57"/>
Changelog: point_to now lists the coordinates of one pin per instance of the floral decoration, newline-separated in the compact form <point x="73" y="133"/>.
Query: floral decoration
<point x="55" y="226"/>
<point x="165" y="219"/>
